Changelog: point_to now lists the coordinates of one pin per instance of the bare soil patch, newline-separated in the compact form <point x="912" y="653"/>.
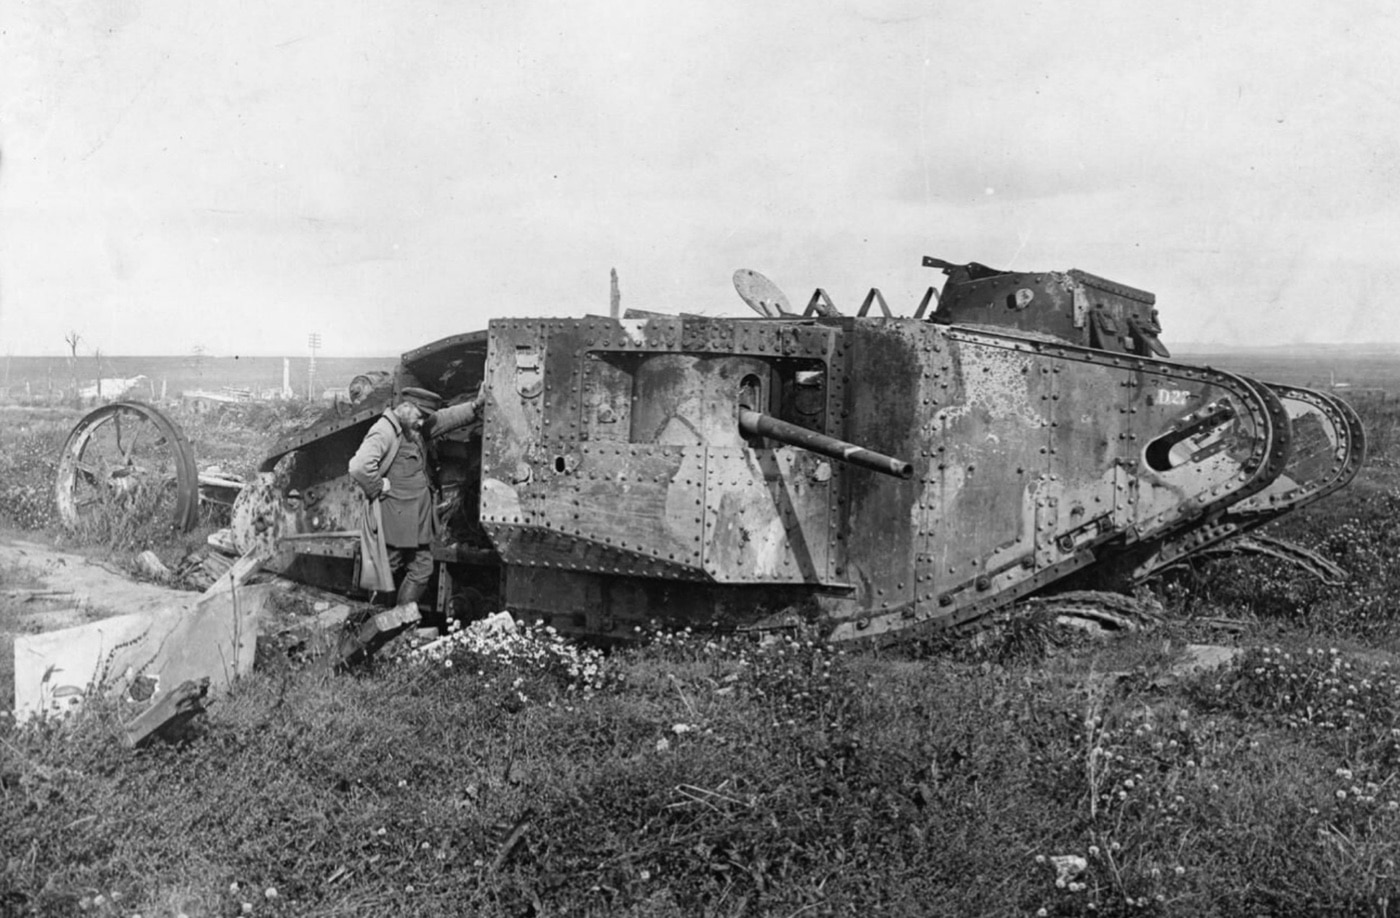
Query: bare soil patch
<point x="83" y="589"/>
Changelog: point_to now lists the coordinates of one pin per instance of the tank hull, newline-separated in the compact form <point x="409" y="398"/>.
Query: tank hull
<point x="694" y="471"/>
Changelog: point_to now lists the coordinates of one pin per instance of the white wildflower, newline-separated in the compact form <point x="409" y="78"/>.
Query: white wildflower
<point x="1068" y="867"/>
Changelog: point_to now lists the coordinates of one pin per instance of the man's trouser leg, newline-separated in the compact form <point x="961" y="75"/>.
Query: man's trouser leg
<point x="419" y="570"/>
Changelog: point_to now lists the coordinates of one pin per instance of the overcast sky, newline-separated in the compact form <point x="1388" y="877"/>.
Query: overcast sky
<point x="237" y="176"/>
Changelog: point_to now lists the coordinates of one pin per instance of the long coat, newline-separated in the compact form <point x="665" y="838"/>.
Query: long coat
<point x="405" y="517"/>
<point x="368" y="466"/>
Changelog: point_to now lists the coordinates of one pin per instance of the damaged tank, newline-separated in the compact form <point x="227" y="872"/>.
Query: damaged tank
<point x="884" y="476"/>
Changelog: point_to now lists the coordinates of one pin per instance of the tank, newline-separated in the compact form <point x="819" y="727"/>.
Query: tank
<point x="884" y="477"/>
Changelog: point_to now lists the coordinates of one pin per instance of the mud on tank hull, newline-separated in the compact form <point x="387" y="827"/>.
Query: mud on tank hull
<point x="619" y="478"/>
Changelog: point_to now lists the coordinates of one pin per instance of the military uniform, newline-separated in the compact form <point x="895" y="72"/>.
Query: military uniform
<point x="400" y="526"/>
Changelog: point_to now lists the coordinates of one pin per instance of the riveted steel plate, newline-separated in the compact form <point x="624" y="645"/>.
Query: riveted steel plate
<point x="767" y="516"/>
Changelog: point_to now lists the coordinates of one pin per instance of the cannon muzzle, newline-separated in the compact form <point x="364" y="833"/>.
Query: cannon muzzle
<point x="757" y="424"/>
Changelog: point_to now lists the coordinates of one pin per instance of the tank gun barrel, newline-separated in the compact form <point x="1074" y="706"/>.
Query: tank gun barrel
<point x="757" y="424"/>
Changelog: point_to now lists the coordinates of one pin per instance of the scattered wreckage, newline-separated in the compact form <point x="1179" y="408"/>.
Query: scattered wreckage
<point x="886" y="477"/>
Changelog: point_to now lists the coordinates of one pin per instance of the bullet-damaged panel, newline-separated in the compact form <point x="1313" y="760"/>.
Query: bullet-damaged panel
<point x="767" y="516"/>
<point x="605" y="397"/>
<point x="515" y="382"/>
<point x="690" y="399"/>
<point x="987" y="483"/>
<point x="883" y="400"/>
<point x="561" y="411"/>
<point x="637" y="502"/>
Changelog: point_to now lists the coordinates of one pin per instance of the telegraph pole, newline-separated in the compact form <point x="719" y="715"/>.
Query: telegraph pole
<point x="313" y="341"/>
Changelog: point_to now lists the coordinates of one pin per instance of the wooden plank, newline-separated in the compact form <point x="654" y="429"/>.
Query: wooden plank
<point x="238" y="574"/>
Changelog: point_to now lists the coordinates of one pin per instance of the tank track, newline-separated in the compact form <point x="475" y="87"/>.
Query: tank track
<point x="1111" y="611"/>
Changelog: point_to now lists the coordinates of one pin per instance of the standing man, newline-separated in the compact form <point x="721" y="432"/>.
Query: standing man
<point x="392" y="469"/>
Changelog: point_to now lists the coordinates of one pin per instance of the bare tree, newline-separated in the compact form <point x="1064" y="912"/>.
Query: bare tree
<point x="73" y="338"/>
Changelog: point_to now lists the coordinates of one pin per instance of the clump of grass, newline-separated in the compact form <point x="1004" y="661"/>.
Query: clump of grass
<point x="237" y="438"/>
<point x="29" y="449"/>
<point x="1363" y="540"/>
<point x="708" y="774"/>
<point x="1347" y="704"/>
<point x="129" y="521"/>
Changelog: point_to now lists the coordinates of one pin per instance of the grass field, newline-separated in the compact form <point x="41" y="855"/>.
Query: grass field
<point x="719" y="776"/>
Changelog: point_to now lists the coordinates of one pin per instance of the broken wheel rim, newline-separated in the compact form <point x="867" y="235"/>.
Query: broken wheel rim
<point x="127" y="458"/>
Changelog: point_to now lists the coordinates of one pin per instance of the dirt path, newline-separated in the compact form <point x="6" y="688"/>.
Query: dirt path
<point x="87" y="590"/>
